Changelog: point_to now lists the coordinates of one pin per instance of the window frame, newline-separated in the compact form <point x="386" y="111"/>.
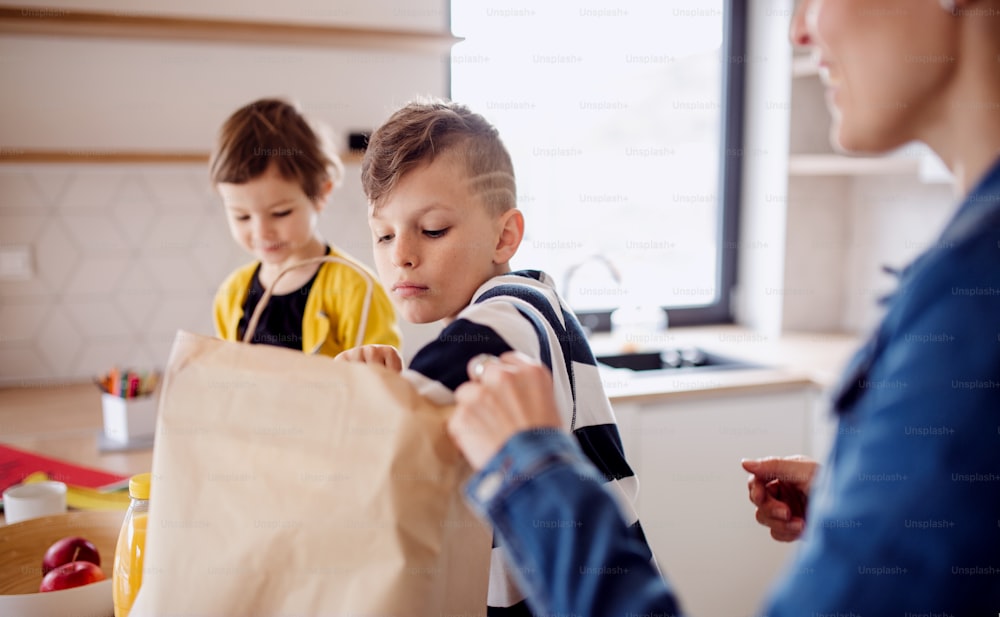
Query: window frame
<point x="729" y="183"/>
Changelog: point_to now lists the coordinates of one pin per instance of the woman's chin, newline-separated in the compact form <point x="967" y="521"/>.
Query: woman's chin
<point x="858" y="143"/>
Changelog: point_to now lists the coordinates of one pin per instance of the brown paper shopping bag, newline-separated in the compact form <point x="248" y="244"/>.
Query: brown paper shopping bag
<point x="290" y="484"/>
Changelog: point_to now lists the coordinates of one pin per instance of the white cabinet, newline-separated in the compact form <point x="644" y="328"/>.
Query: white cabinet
<point x="692" y="491"/>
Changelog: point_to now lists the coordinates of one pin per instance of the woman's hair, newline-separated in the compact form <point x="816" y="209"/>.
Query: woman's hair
<point x="273" y="132"/>
<point x="423" y="130"/>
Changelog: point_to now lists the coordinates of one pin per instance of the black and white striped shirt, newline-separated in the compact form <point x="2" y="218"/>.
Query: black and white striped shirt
<point x="521" y="311"/>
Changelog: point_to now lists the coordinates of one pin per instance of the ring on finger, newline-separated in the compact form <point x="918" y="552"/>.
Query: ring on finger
<point x="478" y="365"/>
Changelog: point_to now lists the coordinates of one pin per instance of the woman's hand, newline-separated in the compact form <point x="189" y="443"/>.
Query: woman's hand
<point x="385" y="355"/>
<point x="504" y="396"/>
<point x="779" y="487"/>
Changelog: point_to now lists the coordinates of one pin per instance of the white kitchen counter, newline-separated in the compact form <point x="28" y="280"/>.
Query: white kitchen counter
<point x="792" y="360"/>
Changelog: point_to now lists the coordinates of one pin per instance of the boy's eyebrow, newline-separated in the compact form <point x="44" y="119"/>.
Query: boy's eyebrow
<point x="436" y="205"/>
<point x="237" y="206"/>
<point x="280" y="202"/>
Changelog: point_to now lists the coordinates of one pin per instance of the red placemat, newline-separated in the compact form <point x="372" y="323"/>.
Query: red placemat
<point x="16" y="465"/>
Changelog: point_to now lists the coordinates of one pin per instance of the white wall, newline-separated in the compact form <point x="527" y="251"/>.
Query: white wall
<point x="124" y="255"/>
<point x="765" y="166"/>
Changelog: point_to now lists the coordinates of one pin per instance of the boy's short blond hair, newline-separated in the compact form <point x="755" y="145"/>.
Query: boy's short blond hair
<point x="421" y="131"/>
<point x="274" y="132"/>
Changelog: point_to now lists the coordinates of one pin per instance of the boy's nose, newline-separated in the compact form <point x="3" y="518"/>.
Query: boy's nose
<point x="403" y="253"/>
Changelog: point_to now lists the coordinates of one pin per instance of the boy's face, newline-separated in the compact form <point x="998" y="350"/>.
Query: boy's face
<point x="271" y="217"/>
<point x="435" y="242"/>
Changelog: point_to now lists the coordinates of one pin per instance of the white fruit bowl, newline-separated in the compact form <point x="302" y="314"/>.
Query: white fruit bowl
<point x="22" y="546"/>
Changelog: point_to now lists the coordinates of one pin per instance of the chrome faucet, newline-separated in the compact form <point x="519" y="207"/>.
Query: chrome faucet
<point x="600" y="257"/>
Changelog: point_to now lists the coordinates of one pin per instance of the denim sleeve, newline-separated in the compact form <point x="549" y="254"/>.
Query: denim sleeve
<point x="570" y="549"/>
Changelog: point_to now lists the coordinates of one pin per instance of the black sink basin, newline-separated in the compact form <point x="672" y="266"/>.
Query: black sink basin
<point x="680" y="359"/>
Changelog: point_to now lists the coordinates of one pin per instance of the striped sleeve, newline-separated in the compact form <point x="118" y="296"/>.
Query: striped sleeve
<point x="493" y="328"/>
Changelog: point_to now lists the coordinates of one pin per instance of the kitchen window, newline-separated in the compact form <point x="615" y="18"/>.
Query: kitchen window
<point x="624" y="123"/>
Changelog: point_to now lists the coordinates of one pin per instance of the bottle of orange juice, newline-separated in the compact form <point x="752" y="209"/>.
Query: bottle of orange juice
<point x="127" y="571"/>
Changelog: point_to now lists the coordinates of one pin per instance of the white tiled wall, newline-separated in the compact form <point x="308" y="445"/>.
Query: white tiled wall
<point x="123" y="257"/>
<point x="815" y="249"/>
<point x="841" y="231"/>
<point x="892" y="220"/>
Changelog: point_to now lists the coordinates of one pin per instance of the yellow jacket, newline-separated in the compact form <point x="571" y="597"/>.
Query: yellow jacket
<point x="334" y="308"/>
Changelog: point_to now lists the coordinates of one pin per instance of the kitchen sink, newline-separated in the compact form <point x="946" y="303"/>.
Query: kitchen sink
<point x="680" y="359"/>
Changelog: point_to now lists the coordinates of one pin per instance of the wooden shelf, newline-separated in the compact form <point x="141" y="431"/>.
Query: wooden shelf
<point x="31" y="156"/>
<point x="838" y="165"/>
<point x="131" y="25"/>
<point x="18" y="155"/>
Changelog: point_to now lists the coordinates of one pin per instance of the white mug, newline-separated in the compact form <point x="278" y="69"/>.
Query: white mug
<point x="26" y="501"/>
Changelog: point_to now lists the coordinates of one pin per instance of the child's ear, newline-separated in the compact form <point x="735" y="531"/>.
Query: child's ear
<point x="323" y="197"/>
<point x="511" y="224"/>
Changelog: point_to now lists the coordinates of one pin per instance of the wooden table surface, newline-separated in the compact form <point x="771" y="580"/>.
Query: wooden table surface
<point x="64" y="421"/>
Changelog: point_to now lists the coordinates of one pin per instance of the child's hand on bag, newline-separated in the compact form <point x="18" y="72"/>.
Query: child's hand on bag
<point x="385" y="355"/>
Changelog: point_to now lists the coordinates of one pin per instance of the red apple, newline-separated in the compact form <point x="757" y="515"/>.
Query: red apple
<point x="72" y="574"/>
<point x="72" y="548"/>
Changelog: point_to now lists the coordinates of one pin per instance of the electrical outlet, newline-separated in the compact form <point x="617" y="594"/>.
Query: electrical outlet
<point x="15" y="263"/>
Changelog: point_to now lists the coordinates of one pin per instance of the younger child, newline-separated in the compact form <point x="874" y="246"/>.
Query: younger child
<point x="275" y="176"/>
<point x="442" y="209"/>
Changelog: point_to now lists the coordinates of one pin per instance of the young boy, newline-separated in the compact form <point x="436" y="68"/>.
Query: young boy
<point x="442" y="209"/>
<point x="275" y="177"/>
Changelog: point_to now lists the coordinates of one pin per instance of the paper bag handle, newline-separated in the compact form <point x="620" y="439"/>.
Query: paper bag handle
<point x="369" y="288"/>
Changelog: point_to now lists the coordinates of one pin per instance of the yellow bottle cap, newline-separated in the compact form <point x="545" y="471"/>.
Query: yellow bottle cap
<point x="138" y="486"/>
